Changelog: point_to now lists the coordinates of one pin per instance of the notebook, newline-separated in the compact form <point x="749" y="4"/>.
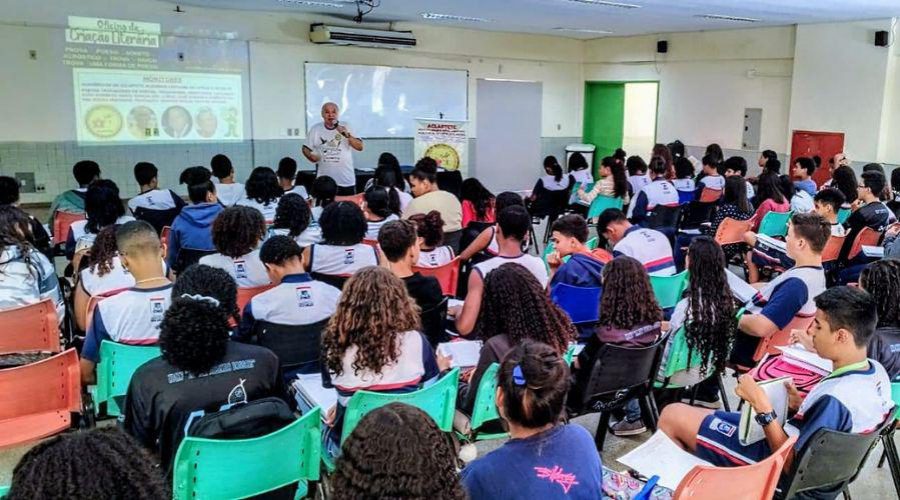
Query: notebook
<point x="742" y="290"/>
<point x="660" y="456"/>
<point x="309" y="393"/>
<point x="797" y="355"/>
<point x="770" y="242"/>
<point x="873" y="252"/>
<point x="465" y="353"/>
<point x="751" y="432"/>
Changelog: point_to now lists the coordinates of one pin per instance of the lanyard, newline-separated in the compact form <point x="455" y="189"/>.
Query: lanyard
<point x="851" y="367"/>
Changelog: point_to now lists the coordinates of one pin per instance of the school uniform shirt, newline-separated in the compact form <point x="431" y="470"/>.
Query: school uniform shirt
<point x="658" y="192"/>
<point x="155" y="199"/>
<point x="788" y="296"/>
<point x="310" y="236"/>
<point x="446" y="203"/>
<point x="266" y="209"/>
<point x="163" y="400"/>
<point x="561" y="462"/>
<point x="24" y="282"/>
<point x="838" y="230"/>
<point x="650" y="247"/>
<point x="130" y="317"/>
<point x="802" y="202"/>
<point x="117" y="279"/>
<point x="230" y="194"/>
<point x="715" y="182"/>
<point x="334" y="151"/>
<point x="583" y="176"/>
<point x="247" y="270"/>
<point x="685" y="185"/>
<point x="808" y="186"/>
<point x="436" y="257"/>
<point x="751" y="192"/>
<point x="81" y="239"/>
<point x="637" y="182"/>
<point x="341" y="260"/>
<point x="533" y="264"/>
<point x="374" y="226"/>
<point x="298" y="190"/>
<point x="192" y="229"/>
<point x="884" y="347"/>
<point x="551" y="184"/>
<point x="297" y="300"/>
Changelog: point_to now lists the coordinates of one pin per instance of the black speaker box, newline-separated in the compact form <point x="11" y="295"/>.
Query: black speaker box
<point x="881" y="38"/>
<point x="662" y="46"/>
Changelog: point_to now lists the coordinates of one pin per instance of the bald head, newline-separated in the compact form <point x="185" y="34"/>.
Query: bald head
<point x="330" y="113"/>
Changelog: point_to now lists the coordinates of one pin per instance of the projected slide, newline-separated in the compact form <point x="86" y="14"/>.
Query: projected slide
<point x="119" y="105"/>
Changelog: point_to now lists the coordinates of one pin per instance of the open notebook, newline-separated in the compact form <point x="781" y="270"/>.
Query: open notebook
<point x="309" y="393"/>
<point x="750" y="431"/>
<point x="763" y="240"/>
<point x="464" y="353"/>
<point x="740" y="288"/>
<point x="660" y="456"/>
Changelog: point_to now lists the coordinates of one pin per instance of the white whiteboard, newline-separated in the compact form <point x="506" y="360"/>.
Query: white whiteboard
<point x="384" y="101"/>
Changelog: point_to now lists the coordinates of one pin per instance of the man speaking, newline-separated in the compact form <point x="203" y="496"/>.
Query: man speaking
<point x="328" y="145"/>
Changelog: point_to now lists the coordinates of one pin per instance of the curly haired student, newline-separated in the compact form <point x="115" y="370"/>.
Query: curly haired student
<point x="237" y="233"/>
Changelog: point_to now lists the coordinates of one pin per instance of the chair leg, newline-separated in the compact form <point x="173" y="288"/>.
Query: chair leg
<point x="694" y="391"/>
<point x="846" y="492"/>
<point x="890" y="449"/>
<point x="647" y="413"/>
<point x="600" y="434"/>
<point x="723" y="394"/>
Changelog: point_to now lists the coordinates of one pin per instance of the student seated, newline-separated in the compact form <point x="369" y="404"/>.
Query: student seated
<point x="85" y="172"/>
<point x="9" y="196"/>
<point x="514" y="309"/>
<point x="398" y="241"/>
<point x="658" y="191"/>
<point x="485" y="246"/>
<point x="855" y="398"/>
<point x="684" y="180"/>
<point x="428" y="197"/>
<point x="228" y="191"/>
<point x="803" y="171"/>
<point x="737" y="165"/>
<point x="237" y="233"/>
<point x="637" y="174"/>
<point x="134" y="315"/>
<point x="157" y="206"/>
<point x="382" y="458"/>
<point x="324" y="190"/>
<point x="110" y="465"/>
<point x="569" y="234"/>
<point x="263" y="192"/>
<point x="711" y="179"/>
<point x="548" y="188"/>
<point x="630" y="317"/>
<point x="789" y="295"/>
<point x="882" y="280"/>
<point x="477" y="202"/>
<point x="342" y="251"/>
<point x="649" y="246"/>
<point x="373" y="343"/>
<point x="103" y="207"/>
<point x="379" y="207"/>
<point x="26" y="275"/>
<point x="514" y="224"/>
<point x="210" y="282"/>
<point x="287" y="173"/>
<point x="769" y="198"/>
<point x="870" y="212"/>
<point x="200" y="371"/>
<point x="192" y="229"/>
<point x="293" y="218"/>
<point x="544" y="457"/>
<point x="613" y="182"/>
<point x="389" y="176"/>
<point x="432" y="253"/>
<point x="734" y="205"/>
<point x="579" y="170"/>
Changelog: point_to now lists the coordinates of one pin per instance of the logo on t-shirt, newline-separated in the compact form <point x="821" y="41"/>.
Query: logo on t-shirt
<point x="238" y="394"/>
<point x="304" y="296"/>
<point x="240" y="270"/>
<point x="348" y="256"/>
<point x="722" y="427"/>
<point x="557" y="475"/>
<point x="150" y="200"/>
<point x="157" y="310"/>
<point x="433" y="259"/>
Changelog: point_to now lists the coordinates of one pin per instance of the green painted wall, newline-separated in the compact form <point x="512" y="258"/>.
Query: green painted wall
<point x="604" y="117"/>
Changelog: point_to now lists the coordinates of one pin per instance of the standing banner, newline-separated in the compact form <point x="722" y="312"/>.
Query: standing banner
<point x="445" y="141"/>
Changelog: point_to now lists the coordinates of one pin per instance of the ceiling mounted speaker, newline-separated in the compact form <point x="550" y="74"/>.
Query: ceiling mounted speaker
<point x="662" y="46"/>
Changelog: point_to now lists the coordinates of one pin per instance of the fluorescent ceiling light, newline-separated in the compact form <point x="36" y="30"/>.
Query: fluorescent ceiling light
<point x="313" y="3"/>
<point x="605" y="3"/>
<point x="722" y="17"/>
<point x="584" y="30"/>
<point x="450" y="17"/>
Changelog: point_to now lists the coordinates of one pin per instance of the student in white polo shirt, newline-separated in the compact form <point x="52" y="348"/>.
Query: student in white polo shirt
<point x="342" y="251"/>
<point x="228" y="191"/>
<point x="132" y="316"/>
<point x="157" y="206"/>
<point x="293" y="218"/>
<point x="650" y="247"/>
<point x="659" y="191"/>
<point x="263" y="192"/>
<point x="287" y="173"/>
<point x="237" y="233"/>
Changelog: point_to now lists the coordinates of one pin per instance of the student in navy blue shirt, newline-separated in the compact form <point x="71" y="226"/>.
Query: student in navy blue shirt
<point x="543" y="458"/>
<point x="192" y="229"/>
<point x="802" y="171"/>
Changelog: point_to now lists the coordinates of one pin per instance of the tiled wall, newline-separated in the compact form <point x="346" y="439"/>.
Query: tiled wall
<point x="51" y="162"/>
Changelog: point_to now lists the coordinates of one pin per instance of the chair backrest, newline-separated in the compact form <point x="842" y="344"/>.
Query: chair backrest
<point x="775" y="223"/>
<point x="592" y="243"/>
<point x="485" y="406"/>
<point x="30" y="328"/>
<point x="356" y="198"/>
<point x="437" y="400"/>
<point x="601" y="203"/>
<point x="190" y="256"/>
<point x="61" y="223"/>
<point x="680" y="357"/>
<point x="868" y="237"/>
<point x="298" y="347"/>
<point x="334" y="280"/>
<point x="781" y="337"/>
<point x="663" y="216"/>
<point x="159" y="219"/>
<point x="668" y="289"/>
<point x="695" y="213"/>
<point x="245" y="294"/>
<point x="732" y="231"/>
<point x="118" y="362"/>
<point x="832" y="248"/>
<point x="750" y="482"/>
<point x="433" y="320"/>
<point x="447" y="275"/>
<point x="843" y="214"/>
<point x="204" y="468"/>
<point x="709" y="195"/>
<point x="685" y="197"/>
<point x="37" y="399"/>
<point x="371" y="243"/>
<point x="582" y="304"/>
<point x="164" y="234"/>
<point x="830" y="459"/>
<point x="618" y="371"/>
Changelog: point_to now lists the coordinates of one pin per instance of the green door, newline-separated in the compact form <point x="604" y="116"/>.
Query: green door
<point x="604" y="112"/>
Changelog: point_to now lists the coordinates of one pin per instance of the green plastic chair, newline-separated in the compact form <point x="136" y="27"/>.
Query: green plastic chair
<point x="437" y="400"/>
<point x="205" y="468"/>
<point x="895" y="395"/>
<point x="601" y="203"/>
<point x="668" y="289"/>
<point x="679" y="359"/>
<point x="547" y="251"/>
<point x="842" y="215"/>
<point x="569" y="356"/>
<point x="593" y="243"/>
<point x="485" y="408"/>
<point x="4" y="490"/>
<point x="118" y="362"/>
<point x="775" y="223"/>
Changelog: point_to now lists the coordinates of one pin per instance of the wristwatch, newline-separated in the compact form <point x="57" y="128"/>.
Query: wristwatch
<point x="764" y="419"/>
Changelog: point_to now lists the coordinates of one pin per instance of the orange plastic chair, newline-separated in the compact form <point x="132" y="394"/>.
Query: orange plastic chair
<point x="867" y="237"/>
<point x="732" y="231"/>
<point x="833" y="248"/>
<point x="356" y="198"/>
<point x="750" y="482"/>
<point x="31" y="328"/>
<point x="164" y="238"/>
<point x="37" y="400"/>
<point x="782" y="337"/>
<point x="244" y="295"/>
<point x="447" y="275"/>
<point x="371" y="243"/>
<point x="709" y="195"/>
<point x="61" y="223"/>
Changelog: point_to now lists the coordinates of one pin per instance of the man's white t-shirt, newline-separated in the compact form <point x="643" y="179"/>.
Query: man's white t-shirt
<point x="334" y="151"/>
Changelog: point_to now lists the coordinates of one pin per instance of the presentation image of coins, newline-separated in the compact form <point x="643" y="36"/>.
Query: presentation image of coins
<point x="142" y="123"/>
<point x="177" y="122"/>
<point x="103" y="121"/>
<point x="207" y="123"/>
<point x="445" y="155"/>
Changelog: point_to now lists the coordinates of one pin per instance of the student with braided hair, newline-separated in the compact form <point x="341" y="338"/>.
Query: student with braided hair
<point x="882" y="280"/>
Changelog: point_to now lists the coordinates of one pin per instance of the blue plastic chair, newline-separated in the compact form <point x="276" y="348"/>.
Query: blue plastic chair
<point x="685" y="197"/>
<point x="582" y="304"/>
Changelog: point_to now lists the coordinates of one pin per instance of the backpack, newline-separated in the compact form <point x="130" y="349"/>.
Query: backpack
<point x="243" y="421"/>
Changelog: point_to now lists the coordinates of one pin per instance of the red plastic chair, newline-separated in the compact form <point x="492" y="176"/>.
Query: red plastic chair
<point x="447" y="275"/>
<point x="244" y="295"/>
<point x="37" y="400"/>
<point x="833" y="248"/>
<point x="867" y="237"/>
<point x="781" y="338"/>
<point x="31" y="328"/>
<point x="709" y="195"/>
<point x="371" y="243"/>
<point x="61" y="223"/>
<point x="732" y="231"/>
<point x="164" y="238"/>
<point x="750" y="482"/>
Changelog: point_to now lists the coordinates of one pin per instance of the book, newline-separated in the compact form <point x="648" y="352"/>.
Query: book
<point x="660" y="456"/>
<point x="751" y="432"/>
<point x="309" y="392"/>
<point x="741" y="290"/>
<point x="797" y="355"/>
<point x="873" y="252"/>
<point x="768" y="241"/>
<point x="465" y="353"/>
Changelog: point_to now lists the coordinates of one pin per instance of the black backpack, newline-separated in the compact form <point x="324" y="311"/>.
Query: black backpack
<point x="243" y="421"/>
